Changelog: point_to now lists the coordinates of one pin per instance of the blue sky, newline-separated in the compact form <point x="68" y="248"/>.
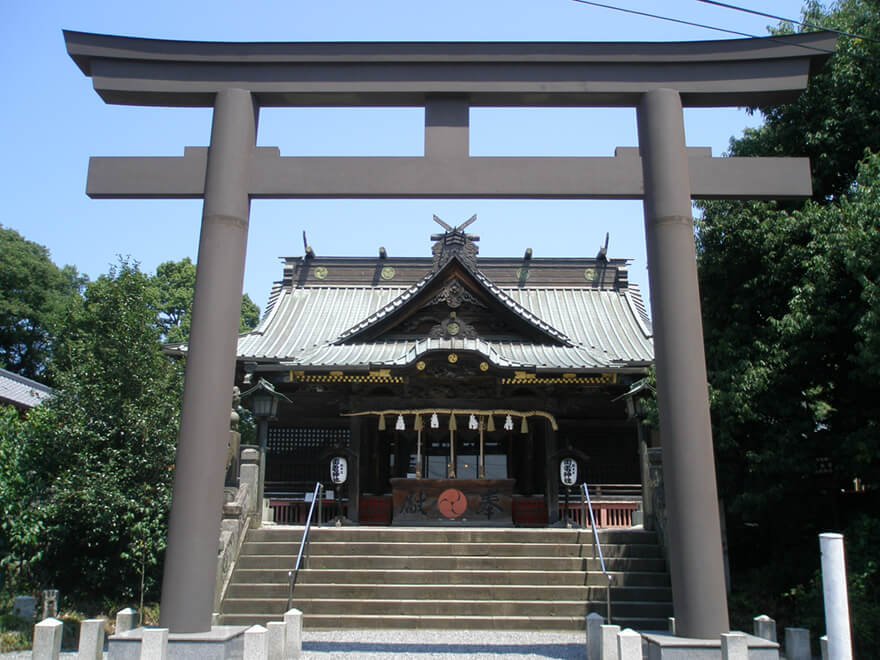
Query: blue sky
<point x="51" y="121"/>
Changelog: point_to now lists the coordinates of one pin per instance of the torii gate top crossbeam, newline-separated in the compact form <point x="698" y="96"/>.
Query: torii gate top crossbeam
<point x="734" y="72"/>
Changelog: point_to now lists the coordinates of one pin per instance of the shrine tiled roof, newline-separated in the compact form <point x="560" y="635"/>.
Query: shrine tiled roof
<point x="315" y="324"/>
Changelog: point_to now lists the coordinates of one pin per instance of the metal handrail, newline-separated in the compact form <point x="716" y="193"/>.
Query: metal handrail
<point x="598" y="548"/>
<point x="317" y="496"/>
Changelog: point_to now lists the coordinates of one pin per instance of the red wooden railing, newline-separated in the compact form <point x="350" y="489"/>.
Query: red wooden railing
<point x="608" y="514"/>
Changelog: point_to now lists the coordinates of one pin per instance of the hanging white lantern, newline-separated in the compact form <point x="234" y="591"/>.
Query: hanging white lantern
<point x="401" y="425"/>
<point x="435" y="423"/>
<point x="472" y="423"/>
<point x="508" y="423"/>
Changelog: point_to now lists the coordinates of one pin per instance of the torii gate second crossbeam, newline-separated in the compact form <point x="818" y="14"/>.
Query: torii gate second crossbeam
<point x="447" y="79"/>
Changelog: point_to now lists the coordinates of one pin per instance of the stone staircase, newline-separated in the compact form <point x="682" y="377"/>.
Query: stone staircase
<point x="450" y="578"/>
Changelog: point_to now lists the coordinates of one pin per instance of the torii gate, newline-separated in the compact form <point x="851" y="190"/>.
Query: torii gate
<point x="236" y="79"/>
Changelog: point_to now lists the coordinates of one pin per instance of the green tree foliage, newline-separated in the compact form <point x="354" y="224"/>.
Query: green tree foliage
<point x="175" y="282"/>
<point x="100" y="453"/>
<point x="19" y="515"/>
<point x="85" y="479"/>
<point x="838" y="116"/>
<point x="790" y="306"/>
<point x="790" y="303"/>
<point x="33" y="293"/>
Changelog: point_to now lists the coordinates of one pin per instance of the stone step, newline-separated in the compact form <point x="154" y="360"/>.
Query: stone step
<point x="364" y="621"/>
<point x="345" y="606"/>
<point x="317" y="548"/>
<point x="443" y="577"/>
<point x="427" y="562"/>
<point x="449" y="535"/>
<point x="244" y="591"/>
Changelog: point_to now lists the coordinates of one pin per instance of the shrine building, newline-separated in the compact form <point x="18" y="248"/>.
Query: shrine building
<point x="454" y="386"/>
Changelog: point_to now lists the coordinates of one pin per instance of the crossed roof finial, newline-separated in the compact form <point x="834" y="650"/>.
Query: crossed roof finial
<point x="455" y="230"/>
<point x="455" y="242"/>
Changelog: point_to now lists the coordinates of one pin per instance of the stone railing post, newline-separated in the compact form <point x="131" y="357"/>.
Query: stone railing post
<point x="734" y="646"/>
<point x="293" y="621"/>
<point x="765" y="627"/>
<point x="256" y="643"/>
<point x="797" y="644"/>
<point x="154" y="644"/>
<point x="609" y="650"/>
<point x="47" y="639"/>
<point x="629" y="645"/>
<point x="91" y="639"/>
<point x="249" y="473"/>
<point x="277" y="637"/>
<point x="594" y="636"/>
<point x="126" y="620"/>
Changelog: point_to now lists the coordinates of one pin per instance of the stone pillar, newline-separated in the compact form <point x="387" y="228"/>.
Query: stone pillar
<point x="91" y="639"/>
<point x="154" y="644"/>
<point x="126" y="620"/>
<point x="608" y="645"/>
<point x="734" y="646"/>
<point x="764" y="627"/>
<point x="694" y="529"/>
<point x="194" y="524"/>
<point x="293" y="620"/>
<point x="797" y="644"/>
<point x="249" y="473"/>
<point x="835" y="597"/>
<point x="256" y="643"/>
<point x="594" y="636"/>
<point x="629" y="645"/>
<point x="276" y="632"/>
<point x="47" y="639"/>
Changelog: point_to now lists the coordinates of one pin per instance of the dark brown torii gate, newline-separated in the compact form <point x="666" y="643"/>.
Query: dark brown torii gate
<point x="658" y="79"/>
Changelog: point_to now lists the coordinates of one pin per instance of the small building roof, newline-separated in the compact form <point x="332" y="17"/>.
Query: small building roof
<point x="21" y="392"/>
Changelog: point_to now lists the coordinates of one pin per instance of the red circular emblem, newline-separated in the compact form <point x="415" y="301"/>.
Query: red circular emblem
<point x="452" y="503"/>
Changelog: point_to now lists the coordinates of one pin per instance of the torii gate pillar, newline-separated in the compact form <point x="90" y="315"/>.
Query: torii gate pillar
<point x="689" y="467"/>
<point x="188" y="581"/>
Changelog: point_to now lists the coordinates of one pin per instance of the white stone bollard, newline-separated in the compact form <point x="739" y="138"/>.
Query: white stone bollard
<point x="629" y="645"/>
<point x="256" y="643"/>
<point x="276" y="634"/>
<point x="91" y="639"/>
<point x="594" y="636"/>
<point x="126" y="620"/>
<point x="734" y="646"/>
<point x="293" y="621"/>
<point x="797" y="644"/>
<point x="764" y="627"/>
<point x="47" y="639"/>
<point x="608" y="646"/>
<point x="834" y="592"/>
<point x="154" y="644"/>
<point x="823" y="647"/>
